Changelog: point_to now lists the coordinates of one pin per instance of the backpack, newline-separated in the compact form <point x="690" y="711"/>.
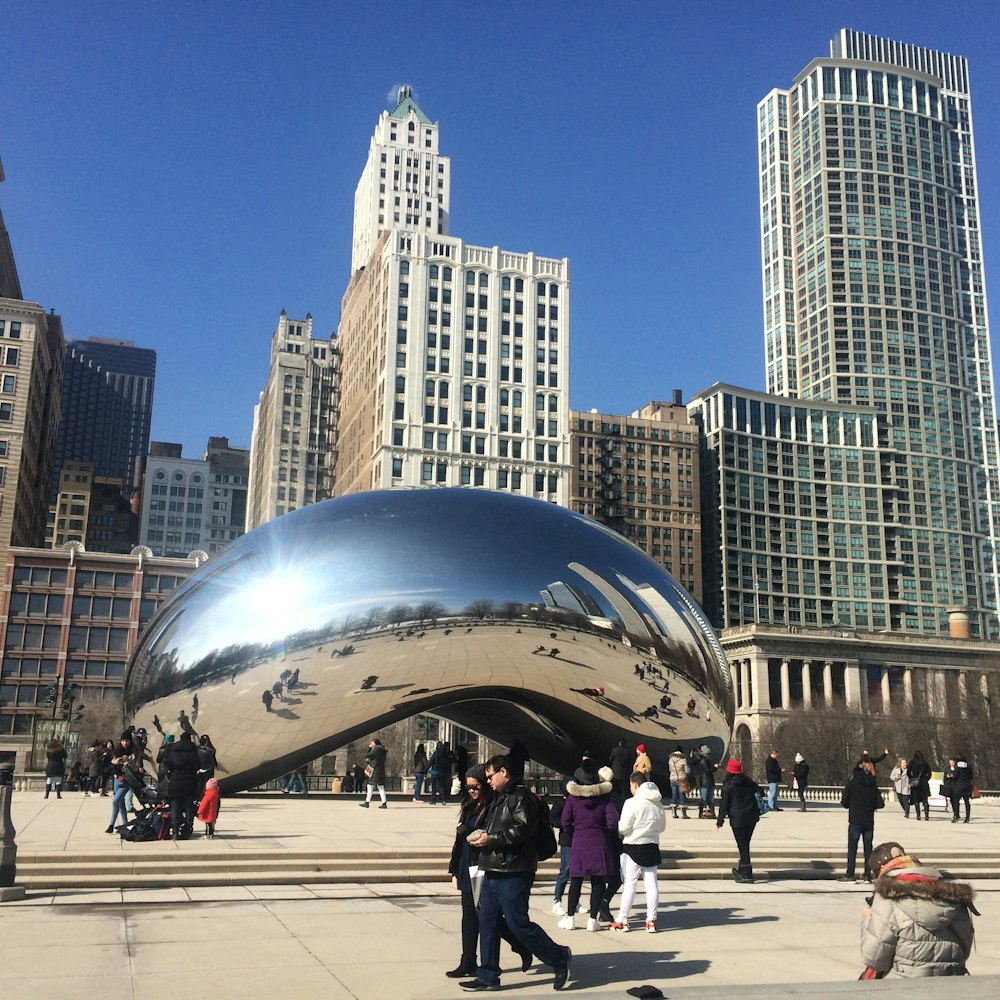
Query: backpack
<point x="544" y="837"/>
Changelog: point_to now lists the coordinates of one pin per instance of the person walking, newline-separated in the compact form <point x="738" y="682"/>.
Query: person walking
<point x="862" y="798"/>
<point x="508" y="858"/>
<point x="122" y="758"/>
<point x="642" y="821"/>
<point x="961" y="787"/>
<point x="475" y="803"/>
<point x="55" y="767"/>
<point x="901" y="782"/>
<point x="739" y="804"/>
<point x="918" y="924"/>
<point x="801" y="775"/>
<point x="680" y="777"/>
<point x="419" y="770"/>
<point x="95" y="770"/>
<point x="772" y="772"/>
<point x="620" y="763"/>
<point x="375" y="774"/>
<point x="919" y="772"/>
<point x="590" y="817"/>
<point x="947" y="781"/>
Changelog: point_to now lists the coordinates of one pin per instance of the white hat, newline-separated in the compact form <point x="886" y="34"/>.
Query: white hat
<point x="799" y="758"/>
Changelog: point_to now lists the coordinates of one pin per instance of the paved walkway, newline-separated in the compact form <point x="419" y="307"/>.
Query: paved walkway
<point x="355" y="941"/>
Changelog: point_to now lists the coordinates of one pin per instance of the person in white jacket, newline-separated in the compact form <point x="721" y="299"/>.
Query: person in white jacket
<point x="643" y="819"/>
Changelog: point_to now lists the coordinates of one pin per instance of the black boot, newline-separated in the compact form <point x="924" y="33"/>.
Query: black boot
<point x="48" y="788"/>
<point x="464" y="968"/>
<point x="744" y="873"/>
<point x="58" y="791"/>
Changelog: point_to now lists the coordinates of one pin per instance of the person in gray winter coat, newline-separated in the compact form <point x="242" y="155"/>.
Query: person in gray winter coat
<point x="918" y="924"/>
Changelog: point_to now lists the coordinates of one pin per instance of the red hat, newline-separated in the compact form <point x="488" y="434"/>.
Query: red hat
<point x="734" y="767"/>
<point x="641" y="748"/>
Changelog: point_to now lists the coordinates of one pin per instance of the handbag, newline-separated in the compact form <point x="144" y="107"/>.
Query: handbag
<point x="369" y="770"/>
<point x="684" y="785"/>
<point x="762" y="807"/>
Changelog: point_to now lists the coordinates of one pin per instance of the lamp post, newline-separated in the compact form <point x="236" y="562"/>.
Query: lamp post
<point x="8" y="847"/>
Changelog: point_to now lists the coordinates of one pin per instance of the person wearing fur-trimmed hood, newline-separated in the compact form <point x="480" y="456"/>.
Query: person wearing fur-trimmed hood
<point x="590" y="817"/>
<point x="918" y="925"/>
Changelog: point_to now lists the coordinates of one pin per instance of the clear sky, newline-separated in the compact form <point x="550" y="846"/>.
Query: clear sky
<point x="177" y="173"/>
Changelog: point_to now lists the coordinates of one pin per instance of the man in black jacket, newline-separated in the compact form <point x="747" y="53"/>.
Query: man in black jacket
<point x="861" y="798"/>
<point x="773" y="771"/>
<point x="182" y="785"/>
<point x="621" y="767"/>
<point x="508" y="858"/>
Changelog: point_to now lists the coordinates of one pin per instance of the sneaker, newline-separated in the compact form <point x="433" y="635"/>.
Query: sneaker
<point x="619" y="925"/>
<point x="478" y="986"/>
<point x="566" y="924"/>
<point x="562" y="972"/>
<point x="651" y="926"/>
<point x="558" y="909"/>
<point x="364" y="805"/>
<point x="593" y="924"/>
<point x="846" y="878"/>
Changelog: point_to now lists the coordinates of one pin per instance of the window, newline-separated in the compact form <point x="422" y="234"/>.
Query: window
<point x="8" y="384"/>
<point x="6" y="411"/>
<point x="11" y="356"/>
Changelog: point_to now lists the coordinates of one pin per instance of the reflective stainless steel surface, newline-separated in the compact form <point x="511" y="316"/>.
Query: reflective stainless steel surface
<point x="509" y="616"/>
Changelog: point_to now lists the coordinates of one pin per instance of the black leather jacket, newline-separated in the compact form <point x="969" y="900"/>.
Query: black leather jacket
<point x="510" y="825"/>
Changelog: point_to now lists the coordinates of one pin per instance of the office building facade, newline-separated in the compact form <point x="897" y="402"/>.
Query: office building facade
<point x="874" y="296"/>
<point x="72" y="618"/>
<point x="454" y="357"/>
<point x="293" y="450"/>
<point x="91" y="509"/>
<point x="640" y="475"/>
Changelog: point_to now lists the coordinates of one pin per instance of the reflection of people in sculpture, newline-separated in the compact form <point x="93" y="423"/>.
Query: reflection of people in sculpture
<point x="651" y="712"/>
<point x="554" y="651"/>
<point x="369" y="682"/>
<point x="590" y="692"/>
<point x="277" y="690"/>
<point x="691" y="707"/>
<point x="665" y="702"/>
<point x="267" y="698"/>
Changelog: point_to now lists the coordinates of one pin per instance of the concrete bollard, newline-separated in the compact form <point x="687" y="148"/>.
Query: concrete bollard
<point x="8" y="847"/>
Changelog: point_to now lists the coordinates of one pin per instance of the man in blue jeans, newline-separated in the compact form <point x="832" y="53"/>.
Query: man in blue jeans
<point x="508" y="859"/>
<point x="773" y="770"/>
<point x="862" y="798"/>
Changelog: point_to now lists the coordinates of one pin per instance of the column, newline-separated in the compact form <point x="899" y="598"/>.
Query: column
<point x="963" y="694"/>
<point x="828" y="682"/>
<point x="886" y="695"/>
<point x="786" y="698"/>
<point x="852" y="685"/>
<point x="748" y="699"/>
<point x="759" y="674"/>
<point x="908" y="686"/>
<point x="734" y="668"/>
<point x="807" y="684"/>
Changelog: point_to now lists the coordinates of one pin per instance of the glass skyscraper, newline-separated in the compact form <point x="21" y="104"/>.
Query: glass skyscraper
<point x="874" y="296"/>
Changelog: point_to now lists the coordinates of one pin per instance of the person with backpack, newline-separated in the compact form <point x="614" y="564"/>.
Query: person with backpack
<point x="508" y="858"/>
<point x="591" y="819"/>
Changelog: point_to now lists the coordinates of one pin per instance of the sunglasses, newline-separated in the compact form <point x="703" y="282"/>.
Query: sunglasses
<point x="474" y="788"/>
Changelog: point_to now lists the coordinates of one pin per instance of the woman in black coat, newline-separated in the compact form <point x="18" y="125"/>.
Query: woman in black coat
<point x="961" y="786"/>
<point x="55" y="767"/>
<point x="207" y="762"/>
<point x="861" y="798"/>
<point x="476" y="797"/>
<point x="739" y="803"/>
<point x="919" y="772"/>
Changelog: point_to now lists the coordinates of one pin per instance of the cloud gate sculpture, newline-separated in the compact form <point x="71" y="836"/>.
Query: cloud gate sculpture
<point x="508" y="616"/>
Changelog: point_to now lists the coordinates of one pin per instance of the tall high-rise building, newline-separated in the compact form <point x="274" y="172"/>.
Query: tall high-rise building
<point x="294" y="443"/>
<point x="10" y="286"/>
<point x="107" y="407"/>
<point x="454" y="358"/>
<point x="31" y="370"/>
<point x="639" y="474"/>
<point x="874" y="295"/>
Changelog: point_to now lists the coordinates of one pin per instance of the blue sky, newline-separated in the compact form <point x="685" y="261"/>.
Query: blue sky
<point x="178" y="173"/>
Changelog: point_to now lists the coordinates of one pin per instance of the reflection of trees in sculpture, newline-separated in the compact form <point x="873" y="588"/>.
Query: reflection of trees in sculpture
<point x="399" y="613"/>
<point x="480" y="608"/>
<point x="430" y="612"/>
<point x="373" y="618"/>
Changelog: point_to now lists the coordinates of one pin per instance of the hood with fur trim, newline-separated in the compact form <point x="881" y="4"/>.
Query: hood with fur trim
<point x="582" y="791"/>
<point x="923" y="895"/>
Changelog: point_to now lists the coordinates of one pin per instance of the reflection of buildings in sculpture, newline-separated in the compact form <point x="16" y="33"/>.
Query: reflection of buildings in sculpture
<point x="560" y="594"/>
<point x="779" y="671"/>
<point x="631" y="621"/>
<point x="72" y="617"/>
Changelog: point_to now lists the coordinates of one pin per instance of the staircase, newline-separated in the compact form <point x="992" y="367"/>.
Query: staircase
<point x="160" y="865"/>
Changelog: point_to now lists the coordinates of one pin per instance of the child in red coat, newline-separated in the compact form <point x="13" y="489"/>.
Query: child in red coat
<point x="208" y="808"/>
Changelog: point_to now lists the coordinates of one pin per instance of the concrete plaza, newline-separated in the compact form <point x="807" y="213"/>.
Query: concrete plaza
<point x="781" y="937"/>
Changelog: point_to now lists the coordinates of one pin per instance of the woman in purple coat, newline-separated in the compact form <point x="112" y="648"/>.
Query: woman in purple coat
<point x="591" y="819"/>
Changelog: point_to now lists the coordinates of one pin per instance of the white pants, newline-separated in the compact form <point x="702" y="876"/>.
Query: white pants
<point x="381" y="792"/>
<point x="630" y="876"/>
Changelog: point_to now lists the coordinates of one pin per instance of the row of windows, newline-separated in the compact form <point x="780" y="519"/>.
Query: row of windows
<point x="11" y="329"/>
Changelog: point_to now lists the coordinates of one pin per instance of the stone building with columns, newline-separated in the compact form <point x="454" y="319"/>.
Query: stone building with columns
<point x="780" y="672"/>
